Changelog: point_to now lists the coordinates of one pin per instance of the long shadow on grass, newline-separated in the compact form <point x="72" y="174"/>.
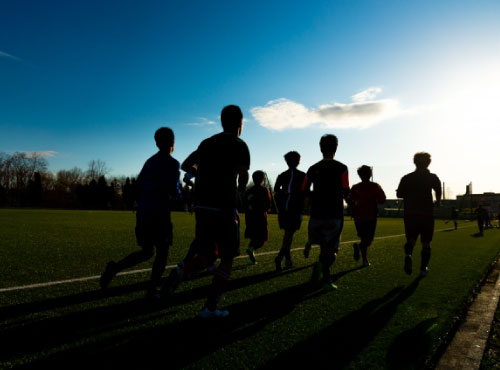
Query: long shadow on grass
<point x="84" y="297"/>
<point x="179" y="344"/>
<point x="337" y="345"/>
<point x="412" y="346"/>
<point x="37" y="334"/>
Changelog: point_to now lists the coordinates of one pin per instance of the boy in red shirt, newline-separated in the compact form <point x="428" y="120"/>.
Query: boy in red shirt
<point x="258" y="204"/>
<point x="364" y="198"/>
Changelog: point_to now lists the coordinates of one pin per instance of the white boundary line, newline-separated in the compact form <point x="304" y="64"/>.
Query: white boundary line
<point x="76" y="280"/>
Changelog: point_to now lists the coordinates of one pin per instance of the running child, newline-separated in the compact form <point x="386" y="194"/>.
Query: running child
<point x="330" y="180"/>
<point x="220" y="165"/>
<point x="158" y="185"/>
<point x="364" y="198"/>
<point x="290" y="203"/>
<point x="416" y="190"/>
<point x="258" y="204"/>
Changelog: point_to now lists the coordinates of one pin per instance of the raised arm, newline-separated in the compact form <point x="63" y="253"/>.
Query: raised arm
<point x="190" y="165"/>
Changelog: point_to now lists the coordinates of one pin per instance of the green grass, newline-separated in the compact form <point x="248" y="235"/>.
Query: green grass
<point x="378" y="318"/>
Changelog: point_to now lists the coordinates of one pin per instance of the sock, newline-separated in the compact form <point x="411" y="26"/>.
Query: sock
<point x="408" y="249"/>
<point x="218" y="287"/>
<point x="426" y="256"/>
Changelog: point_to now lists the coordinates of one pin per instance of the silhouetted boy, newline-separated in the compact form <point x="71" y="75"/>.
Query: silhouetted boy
<point x="258" y="204"/>
<point x="158" y="185"/>
<point x="364" y="198"/>
<point x="454" y="217"/>
<point x="217" y="164"/>
<point x="290" y="204"/>
<point x="416" y="190"/>
<point x="330" y="180"/>
<point x="481" y="218"/>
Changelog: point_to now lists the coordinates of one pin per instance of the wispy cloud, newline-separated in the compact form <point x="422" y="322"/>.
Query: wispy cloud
<point x="5" y="55"/>
<point x="364" y="111"/>
<point x="45" y="153"/>
<point x="202" y="122"/>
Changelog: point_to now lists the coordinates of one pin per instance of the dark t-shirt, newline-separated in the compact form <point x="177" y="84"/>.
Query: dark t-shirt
<point x="364" y="198"/>
<point x="158" y="183"/>
<point x="416" y="190"/>
<point x="330" y="180"/>
<point x="257" y="200"/>
<point x="288" y="191"/>
<point x="218" y="159"/>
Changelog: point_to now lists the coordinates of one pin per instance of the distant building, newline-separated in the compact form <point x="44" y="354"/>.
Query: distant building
<point x="490" y="201"/>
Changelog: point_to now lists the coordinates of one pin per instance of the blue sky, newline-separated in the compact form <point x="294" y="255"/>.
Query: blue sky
<point x="85" y="80"/>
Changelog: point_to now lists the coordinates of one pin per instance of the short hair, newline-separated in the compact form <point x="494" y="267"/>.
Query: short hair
<point x="292" y="159"/>
<point x="328" y="144"/>
<point x="164" y="138"/>
<point x="365" y="172"/>
<point x="258" y="177"/>
<point x="231" y="117"/>
<point x="422" y="159"/>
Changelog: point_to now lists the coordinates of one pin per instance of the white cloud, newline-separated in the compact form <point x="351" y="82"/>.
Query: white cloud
<point x="202" y="122"/>
<point x="366" y="95"/>
<point x="46" y="153"/>
<point x="363" y="112"/>
<point x="5" y="55"/>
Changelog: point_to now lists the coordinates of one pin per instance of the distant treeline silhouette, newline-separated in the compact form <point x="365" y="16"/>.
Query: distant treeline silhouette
<point x="26" y="182"/>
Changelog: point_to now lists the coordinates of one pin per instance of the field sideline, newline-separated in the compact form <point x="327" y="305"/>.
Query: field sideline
<point x="378" y="318"/>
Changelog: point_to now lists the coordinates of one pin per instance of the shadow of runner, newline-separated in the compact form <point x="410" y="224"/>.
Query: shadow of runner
<point x="43" y="334"/>
<point x="412" y="346"/>
<point x="337" y="345"/>
<point x="94" y="295"/>
<point x="181" y="343"/>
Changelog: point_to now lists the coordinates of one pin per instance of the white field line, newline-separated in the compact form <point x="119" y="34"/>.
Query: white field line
<point x="76" y="280"/>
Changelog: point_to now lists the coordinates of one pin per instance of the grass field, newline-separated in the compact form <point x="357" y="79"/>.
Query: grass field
<point x="379" y="317"/>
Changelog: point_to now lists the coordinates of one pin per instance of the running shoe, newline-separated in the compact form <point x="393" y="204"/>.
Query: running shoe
<point x="208" y="314"/>
<point x="251" y="255"/>
<point x="328" y="287"/>
<point x="288" y="263"/>
<point x="424" y="272"/>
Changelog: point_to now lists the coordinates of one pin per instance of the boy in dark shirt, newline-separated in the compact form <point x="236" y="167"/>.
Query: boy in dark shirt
<point x="258" y="204"/>
<point x="330" y="180"/>
<point x="218" y="164"/>
<point x="416" y="190"/>
<point x="364" y="198"/>
<point x="290" y="202"/>
<point x="158" y="183"/>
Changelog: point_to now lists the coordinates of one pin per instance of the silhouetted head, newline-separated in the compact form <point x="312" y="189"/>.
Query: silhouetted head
<point x="422" y="160"/>
<point x="164" y="138"/>
<point x="258" y="177"/>
<point x="328" y="145"/>
<point x="365" y="173"/>
<point x="231" y="118"/>
<point x="292" y="159"/>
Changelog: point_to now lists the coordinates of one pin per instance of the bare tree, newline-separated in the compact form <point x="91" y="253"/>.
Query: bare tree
<point x="97" y="168"/>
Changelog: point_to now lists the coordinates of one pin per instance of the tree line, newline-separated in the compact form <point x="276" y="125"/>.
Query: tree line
<point x="26" y="182"/>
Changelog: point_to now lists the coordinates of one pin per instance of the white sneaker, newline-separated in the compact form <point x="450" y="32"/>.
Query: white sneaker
<point x="424" y="272"/>
<point x="208" y="314"/>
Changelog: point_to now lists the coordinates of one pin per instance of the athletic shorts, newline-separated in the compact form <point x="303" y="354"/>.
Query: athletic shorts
<point x="290" y="221"/>
<point x="151" y="231"/>
<point x="218" y="232"/>
<point x="256" y="227"/>
<point x="416" y="225"/>
<point x="366" y="229"/>
<point x="325" y="232"/>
